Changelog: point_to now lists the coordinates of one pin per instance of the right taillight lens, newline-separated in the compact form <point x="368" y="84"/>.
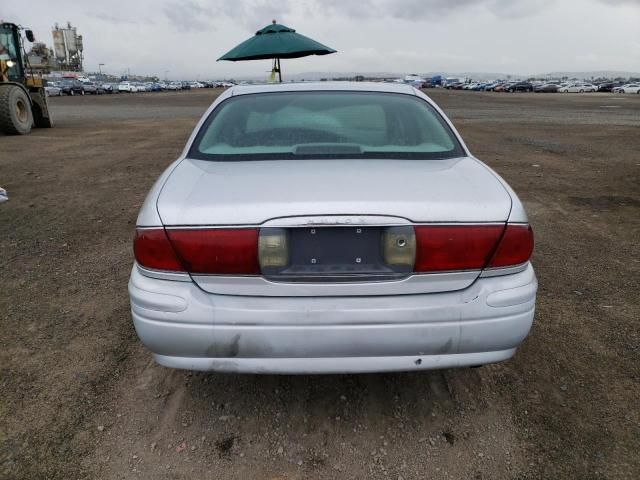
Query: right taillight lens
<point x="442" y="248"/>
<point x="515" y="247"/>
<point x="455" y="247"/>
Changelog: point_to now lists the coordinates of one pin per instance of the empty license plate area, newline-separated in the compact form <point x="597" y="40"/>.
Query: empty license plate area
<point x="333" y="253"/>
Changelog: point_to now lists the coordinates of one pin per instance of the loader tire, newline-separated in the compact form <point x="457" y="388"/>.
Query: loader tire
<point x="41" y="121"/>
<point x="16" y="117"/>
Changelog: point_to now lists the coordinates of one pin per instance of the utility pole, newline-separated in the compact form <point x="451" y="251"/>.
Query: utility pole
<point x="165" y="74"/>
<point x="100" y="65"/>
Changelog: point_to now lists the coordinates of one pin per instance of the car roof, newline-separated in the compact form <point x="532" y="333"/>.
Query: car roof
<point x="386" y="87"/>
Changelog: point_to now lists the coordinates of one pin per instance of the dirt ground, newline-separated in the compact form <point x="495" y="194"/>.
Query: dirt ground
<point x="81" y="398"/>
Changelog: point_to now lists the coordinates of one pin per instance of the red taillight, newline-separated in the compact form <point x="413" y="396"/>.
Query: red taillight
<point x="471" y="247"/>
<point x="515" y="247"/>
<point x="152" y="249"/>
<point x="217" y="251"/>
<point x="455" y="247"/>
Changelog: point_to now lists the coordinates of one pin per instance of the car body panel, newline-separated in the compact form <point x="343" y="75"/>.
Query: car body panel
<point x="201" y="192"/>
<point x="188" y="328"/>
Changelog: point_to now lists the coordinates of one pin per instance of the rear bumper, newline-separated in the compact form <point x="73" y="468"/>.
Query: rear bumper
<point x="187" y="328"/>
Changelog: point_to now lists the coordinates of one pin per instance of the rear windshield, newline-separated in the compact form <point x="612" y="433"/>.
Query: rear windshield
<point x="324" y="125"/>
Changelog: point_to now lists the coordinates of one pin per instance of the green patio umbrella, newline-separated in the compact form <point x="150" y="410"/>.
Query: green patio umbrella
<point x="276" y="41"/>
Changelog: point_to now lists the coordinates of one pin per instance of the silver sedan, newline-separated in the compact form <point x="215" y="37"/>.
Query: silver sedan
<point x="53" y="91"/>
<point x="330" y="228"/>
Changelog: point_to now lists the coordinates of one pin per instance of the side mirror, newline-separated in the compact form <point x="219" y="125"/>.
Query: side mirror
<point x="30" y="36"/>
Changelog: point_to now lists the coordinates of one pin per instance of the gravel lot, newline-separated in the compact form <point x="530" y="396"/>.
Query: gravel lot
<point x="81" y="397"/>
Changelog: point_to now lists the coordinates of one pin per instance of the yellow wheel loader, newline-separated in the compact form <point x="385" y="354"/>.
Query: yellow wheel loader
<point x="23" y="100"/>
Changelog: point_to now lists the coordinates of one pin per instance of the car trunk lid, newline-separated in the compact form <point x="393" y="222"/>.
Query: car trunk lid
<point x="325" y="196"/>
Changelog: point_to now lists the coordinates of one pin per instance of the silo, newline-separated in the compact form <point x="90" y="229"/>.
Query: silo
<point x="58" y="44"/>
<point x="70" y="40"/>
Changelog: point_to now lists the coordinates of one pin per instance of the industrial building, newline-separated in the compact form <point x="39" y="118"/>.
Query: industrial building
<point x="66" y="54"/>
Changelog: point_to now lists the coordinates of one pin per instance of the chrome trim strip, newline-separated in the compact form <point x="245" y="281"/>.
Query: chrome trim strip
<point x="163" y="275"/>
<point x="261" y="286"/>
<point x="496" y="272"/>
<point x="267" y="224"/>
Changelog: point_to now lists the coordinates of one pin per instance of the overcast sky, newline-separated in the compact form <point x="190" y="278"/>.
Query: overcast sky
<point x="405" y="36"/>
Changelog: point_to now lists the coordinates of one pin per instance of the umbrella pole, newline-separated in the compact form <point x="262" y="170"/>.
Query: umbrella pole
<point x="279" y="71"/>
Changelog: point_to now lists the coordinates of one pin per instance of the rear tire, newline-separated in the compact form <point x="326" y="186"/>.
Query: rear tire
<point x="16" y="117"/>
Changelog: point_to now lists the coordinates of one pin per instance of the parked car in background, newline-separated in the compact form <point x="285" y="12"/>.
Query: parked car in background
<point x="478" y="87"/>
<point x="629" y="88"/>
<point x="127" y="87"/>
<point x="71" y="87"/>
<point x="53" y="90"/>
<point x="502" y="86"/>
<point x="490" y="86"/>
<point x="174" y="86"/>
<point x="110" y="88"/>
<point x="546" y="88"/>
<point x="608" y="86"/>
<point x="90" y="87"/>
<point x="407" y="254"/>
<point x="578" y="88"/>
<point x="519" y="87"/>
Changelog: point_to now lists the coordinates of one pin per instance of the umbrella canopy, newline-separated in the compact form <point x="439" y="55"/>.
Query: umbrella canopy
<point x="276" y="41"/>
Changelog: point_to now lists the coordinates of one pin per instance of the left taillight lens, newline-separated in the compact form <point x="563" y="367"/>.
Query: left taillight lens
<point x="217" y="251"/>
<point x="152" y="249"/>
<point x="199" y="251"/>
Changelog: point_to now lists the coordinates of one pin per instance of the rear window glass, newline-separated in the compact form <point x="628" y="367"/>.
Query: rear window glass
<point x="324" y="125"/>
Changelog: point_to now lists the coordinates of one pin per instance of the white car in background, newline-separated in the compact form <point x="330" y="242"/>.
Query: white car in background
<point x="629" y="88"/>
<point x="578" y="88"/>
<point x="53" y="90"/>
<point x="127" y="87"/>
